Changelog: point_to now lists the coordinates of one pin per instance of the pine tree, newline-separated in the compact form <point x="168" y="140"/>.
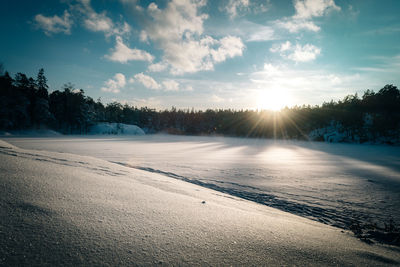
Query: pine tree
<point x="42" y="86"/>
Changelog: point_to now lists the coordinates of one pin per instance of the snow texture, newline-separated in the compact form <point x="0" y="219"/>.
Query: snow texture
<point x="337" y="184"/>
<point x="65" y="209"/>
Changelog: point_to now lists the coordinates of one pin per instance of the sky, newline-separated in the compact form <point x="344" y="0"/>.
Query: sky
<point x="239" y="54"/>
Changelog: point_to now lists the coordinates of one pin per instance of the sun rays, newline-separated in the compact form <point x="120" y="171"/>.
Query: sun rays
<point x="274" y="99"/>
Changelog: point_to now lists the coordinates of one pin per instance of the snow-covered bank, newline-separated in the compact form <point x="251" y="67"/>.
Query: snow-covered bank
<point x="102" y="128"/>
<point x="115" y="129"/>
<point x="31" y="133"/>
<point x="337" y="133"/>
<point x="64" y="209"/>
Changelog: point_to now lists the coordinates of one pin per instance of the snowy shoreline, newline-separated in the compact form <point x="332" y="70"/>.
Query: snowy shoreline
<point x="61" y="208"/>
<point x="322" y="135"/>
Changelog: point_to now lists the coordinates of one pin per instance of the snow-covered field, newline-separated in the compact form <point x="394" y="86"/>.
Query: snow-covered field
<point x="337" y="184"/>
<point x="66" y="209"/>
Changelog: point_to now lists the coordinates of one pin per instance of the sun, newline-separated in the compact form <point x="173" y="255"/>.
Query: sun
<point x="274" y="99"/>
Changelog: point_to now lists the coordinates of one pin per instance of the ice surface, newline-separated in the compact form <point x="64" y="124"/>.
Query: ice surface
<point x="65" y="209"/>
<point x="336" y="184"/>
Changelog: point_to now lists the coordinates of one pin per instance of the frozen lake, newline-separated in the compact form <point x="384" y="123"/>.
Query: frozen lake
<point x="336" y="184"/>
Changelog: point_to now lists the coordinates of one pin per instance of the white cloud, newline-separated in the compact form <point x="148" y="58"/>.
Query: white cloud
<point x="147" y="81"/>
<point x="306" y="10"/>
<point x="247" y="30"/>
<point x="100" y="22"/>
<point x="230" y="47"/>
<point x="54" y="24"/>
<point x="304" y="53"/>
<point x="178" y="31"/>
<point x="189" y="56"/>
<point x="296" y="53"/>
<point x="82" y="10"/>
<point x="143" y="36"/>
<point x="122" y="53"/>
<point x="297" y="25"/>
<point x="170" y="85"/>
<point x="166" y="85"/>
<point x="281" y="47"/>
<point x="157" y="67"/>
<point x="260" y="33"/>
<point x="270" y="69"/>
<point x="235" y="6"/>
<point x="173" y="29"/>
<point x="115" y="84"/>
<point x="178" y="17"/>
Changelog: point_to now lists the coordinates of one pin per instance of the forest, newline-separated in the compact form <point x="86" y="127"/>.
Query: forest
<point x="374" y="117"/>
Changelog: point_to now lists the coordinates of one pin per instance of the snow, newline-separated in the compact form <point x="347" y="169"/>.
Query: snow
<point x="336" y="184"/>
<point x="337" y="133"/>
<point x="102" y="128"/>
<point x="115" y="129"/>
<point x="31" y="133"/>
<point x="66" y="209"/>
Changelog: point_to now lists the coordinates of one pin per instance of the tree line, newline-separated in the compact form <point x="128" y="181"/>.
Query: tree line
<point x="26" y="103"/>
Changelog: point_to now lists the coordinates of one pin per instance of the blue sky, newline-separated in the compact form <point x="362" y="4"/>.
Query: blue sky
<point x="206" y="54"/>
